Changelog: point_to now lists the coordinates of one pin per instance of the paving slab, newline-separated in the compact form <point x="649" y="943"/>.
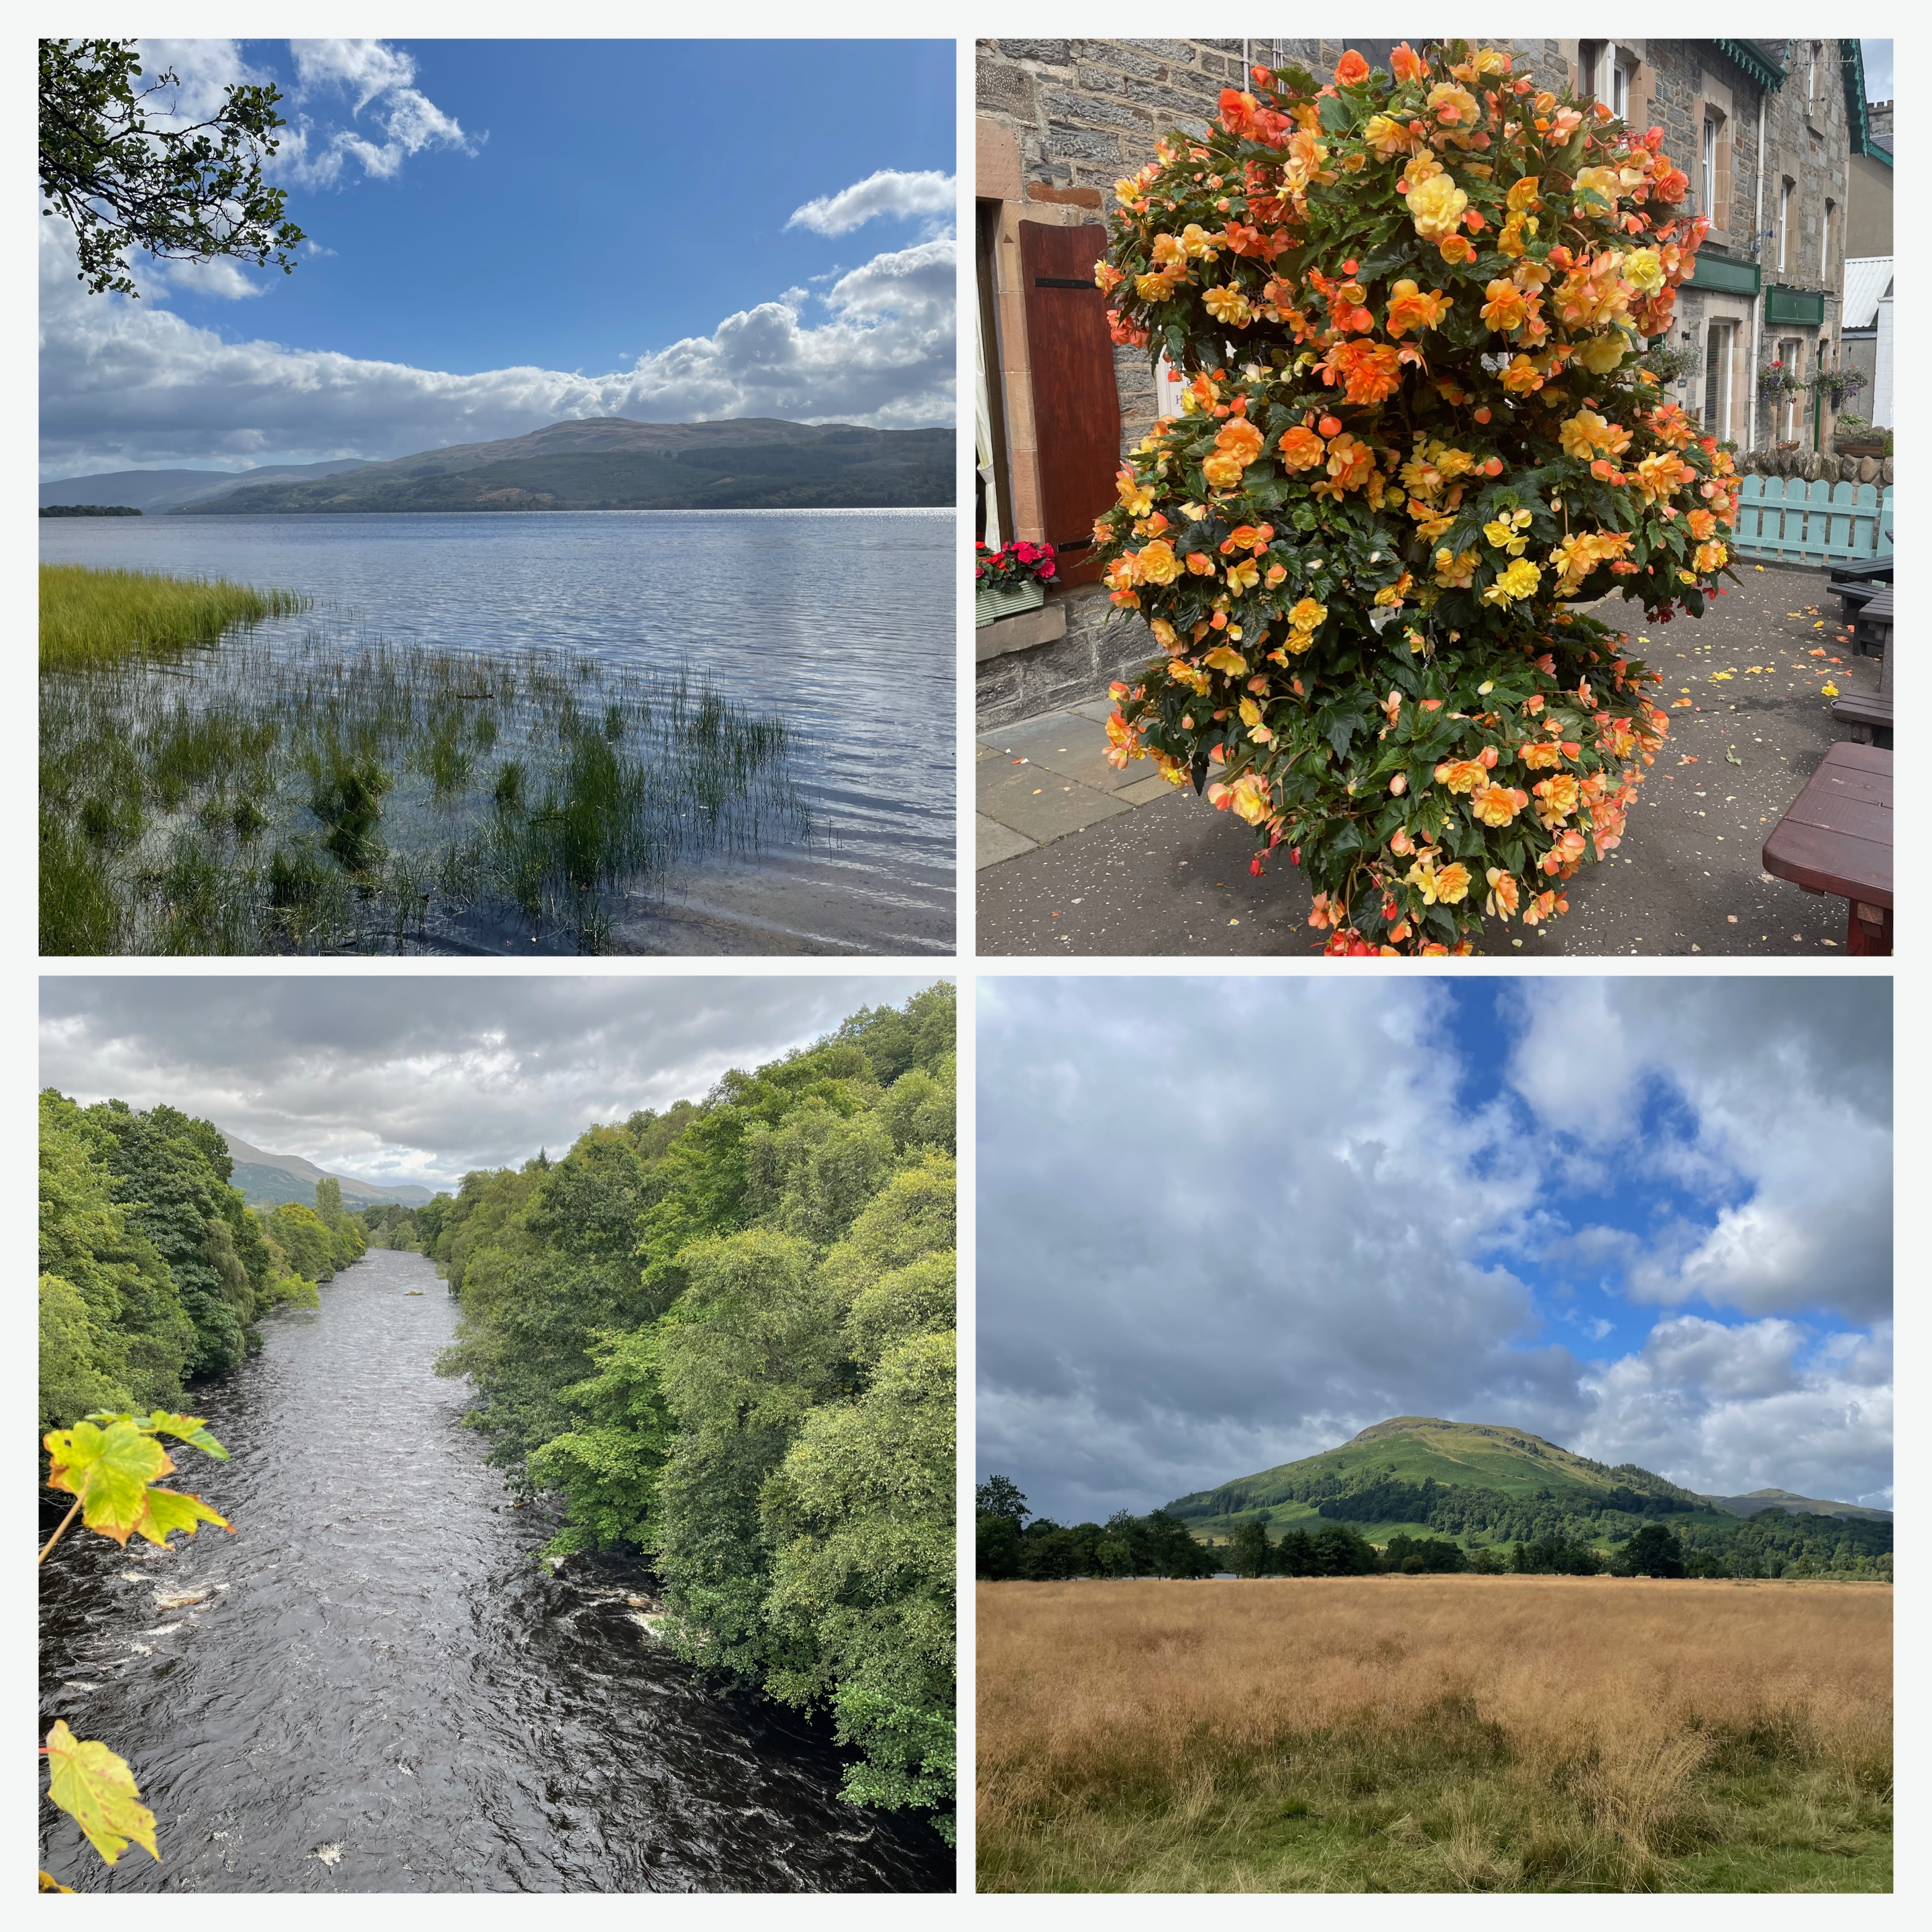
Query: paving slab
<point x="1074" y="747"/>
<point x="993" y="841"/>
<point x="1040" y="805"/>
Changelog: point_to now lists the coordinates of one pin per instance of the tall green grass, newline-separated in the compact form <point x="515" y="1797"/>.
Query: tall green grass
<point x="275" y="797"/>
<point x="90" y="616"/>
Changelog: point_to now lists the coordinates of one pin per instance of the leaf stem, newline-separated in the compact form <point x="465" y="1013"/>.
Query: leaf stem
<point x="57" y="1534"/>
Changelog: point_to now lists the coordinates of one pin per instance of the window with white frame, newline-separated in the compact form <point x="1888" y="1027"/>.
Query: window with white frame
<point x="1791" y="351"/>
<point x="1784" y="194"/>
<point x="1824" y="244"/>
<point x="1710" y="200"/>
<point x="1720" y="342"/>
<point x="1607" y="69"/>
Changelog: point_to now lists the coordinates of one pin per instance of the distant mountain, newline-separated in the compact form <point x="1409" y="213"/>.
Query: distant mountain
<point x="610" y="463"/>
<point x="1423" y="1470"/>
<point x="267" y="1179"/>
<point x="1783" y="1499"/>
<point x="155" y="490"/>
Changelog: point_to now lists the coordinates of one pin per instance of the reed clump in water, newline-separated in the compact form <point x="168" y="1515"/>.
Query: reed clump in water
<point x="91" y="617"/>
<point x="267" y="798"/>
<point x="1434" y="1734"/>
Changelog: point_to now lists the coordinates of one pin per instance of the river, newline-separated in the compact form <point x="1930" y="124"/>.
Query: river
<point x="382" y="1690"/>
<point x="842" y="622"/>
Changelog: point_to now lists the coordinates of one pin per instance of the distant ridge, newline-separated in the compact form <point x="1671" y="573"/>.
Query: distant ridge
<point x="1408" y="1450"/>
<point x="154" y="491"/>
<point x="610" y="463"/>
<point x="267" y="1179"/>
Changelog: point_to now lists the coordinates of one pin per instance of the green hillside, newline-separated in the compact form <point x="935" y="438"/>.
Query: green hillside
<point x="1485" y="1485"/>
<point x="610" y="463"/>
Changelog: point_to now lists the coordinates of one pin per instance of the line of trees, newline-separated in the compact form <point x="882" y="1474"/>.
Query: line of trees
<point x="722" y="1338"/>
<point x="154" y="1271"/>
<point x="1010" y="1547"/>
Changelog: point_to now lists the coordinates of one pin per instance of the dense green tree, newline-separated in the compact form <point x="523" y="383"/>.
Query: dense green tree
<point x="1653" y="1551"/>
<point x="999" y="1495"/>
<point x="1251" y="1552"/>
<point x="723" y="1336"/>
<point x="128" y="174"/>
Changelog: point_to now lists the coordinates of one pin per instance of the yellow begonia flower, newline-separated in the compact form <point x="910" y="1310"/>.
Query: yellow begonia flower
<point x="1643" y="269"/>
<point x="1517" y="582"/>
<point x="1437" y="206"/>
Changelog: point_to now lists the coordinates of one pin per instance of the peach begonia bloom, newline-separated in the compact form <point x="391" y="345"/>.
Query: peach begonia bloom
<point x="1168" y="252"/>
<point x="1242" y="577"/>
<point x="1604" y="181"/>
<point x="1449" y="886"/>
<point x="1351" y="68"/>
<point x="1308" y="615"/>
<point x="1436" y="206"/>
<point x="1453" y="107"/>
<point x="1406" y="64"/>
<point x="1136" y="497"/>
<point x="1539" y="755"/>
<point x="1238" y="445"/>
<point x="1455" y="248"/>
<point x="1164" y="635"/>
<point x="1462" y="774"/>
<point x="1505" y="309"/>
<point x="1368" y="371"/>
<point x="1409" y="308"/>
<point x="1497" y="804"/>
<point x="1701" y="524"/>
<point x="1523" y="195"/>
<point x="1301" y="449"/>
<point x="1603" y="353"/>
<point x="1587" y="434"/>
<point x="1197" y="244"/>
<point x="1504" y="894"/>
<point x="1663" y="475"/>
<point x="1224" y="657"/>
<point x="1559" y="797"/>
<point x="1350" y="462"/>
<point x="1710" y="556"/>
<point x="1229" y="306"/>
<point x="1523" y="377"/>
<point x="1518" y="581"/>
<point x="1157" y="564"/>
<point x="1252" y="800"/>
<point x="1388" y="137"/>
<point x="1643" y="269"/>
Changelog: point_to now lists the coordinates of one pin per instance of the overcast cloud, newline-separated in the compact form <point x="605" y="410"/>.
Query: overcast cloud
<point x="423" y="1078"/>
<point x="1225" y="1223"/>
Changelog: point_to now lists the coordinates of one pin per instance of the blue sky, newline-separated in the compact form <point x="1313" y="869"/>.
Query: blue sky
<point x="1223" y="1223"/>
<point x="502" y="233"/>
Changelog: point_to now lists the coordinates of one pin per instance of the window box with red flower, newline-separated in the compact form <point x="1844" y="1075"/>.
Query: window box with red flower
<point x="1010" y="580"/>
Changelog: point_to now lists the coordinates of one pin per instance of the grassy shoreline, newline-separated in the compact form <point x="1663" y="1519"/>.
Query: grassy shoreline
<point x="91" y="617"/>
<point x="1508" y="1734"/>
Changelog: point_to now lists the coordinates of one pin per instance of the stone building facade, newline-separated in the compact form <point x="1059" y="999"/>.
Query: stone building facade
<point x="1766" y="132"/>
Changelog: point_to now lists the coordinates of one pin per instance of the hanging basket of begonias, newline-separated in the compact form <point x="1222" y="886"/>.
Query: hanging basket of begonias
<point x="1415" y="435"/>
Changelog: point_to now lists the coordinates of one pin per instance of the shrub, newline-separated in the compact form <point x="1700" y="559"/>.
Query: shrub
<point x="1417" y="433"/>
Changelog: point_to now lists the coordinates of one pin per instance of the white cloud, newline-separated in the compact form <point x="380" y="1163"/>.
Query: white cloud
<point x="889" y="192"/>
<point x="1778" y="1112"/>
<point x="220" y="277"/>
<point x="125" y="383"/>
<point x="375" y="77"/>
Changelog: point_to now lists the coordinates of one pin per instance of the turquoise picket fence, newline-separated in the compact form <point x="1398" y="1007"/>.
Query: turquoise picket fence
<point x="1792" y="521"/>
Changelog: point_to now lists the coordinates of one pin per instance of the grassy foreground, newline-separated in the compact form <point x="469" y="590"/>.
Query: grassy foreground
<point x="1450" y="1734"/>
<point x="90" y="616"/>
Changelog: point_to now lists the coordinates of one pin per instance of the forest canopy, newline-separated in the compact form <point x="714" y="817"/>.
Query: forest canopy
<point x="153" y="1271"/>
<point x="722" y="1338"/>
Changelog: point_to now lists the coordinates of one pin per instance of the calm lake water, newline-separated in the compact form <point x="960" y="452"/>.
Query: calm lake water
<point x="842" y="622"/>
<point x="382" y="1692"/>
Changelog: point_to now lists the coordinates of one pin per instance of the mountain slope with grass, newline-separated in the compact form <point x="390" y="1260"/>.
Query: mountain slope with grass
<point x="610" y="463"/>
<point x="1486" y="1485"/>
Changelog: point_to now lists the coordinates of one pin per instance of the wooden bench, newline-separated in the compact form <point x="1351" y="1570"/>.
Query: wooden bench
<point x="1865" y="570"/>
<point x="1837" y="838"/>
<point x="1871" y="627"/>
<point x="1869" y="714"/>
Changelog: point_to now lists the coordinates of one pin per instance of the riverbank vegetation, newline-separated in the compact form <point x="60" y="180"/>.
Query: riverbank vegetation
<point x="93" y="617"/>
<point x="154" y="1271"/>
<point x="306" y="798"/>
<point x="721" y="1337"/>
<point x="1421" y="1734"/>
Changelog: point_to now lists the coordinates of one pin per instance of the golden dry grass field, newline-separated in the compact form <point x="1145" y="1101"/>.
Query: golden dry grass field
<point x="1434" y="1734"/>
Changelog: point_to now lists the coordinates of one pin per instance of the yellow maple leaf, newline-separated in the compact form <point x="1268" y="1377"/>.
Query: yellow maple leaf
<point x="98" y="1792"/>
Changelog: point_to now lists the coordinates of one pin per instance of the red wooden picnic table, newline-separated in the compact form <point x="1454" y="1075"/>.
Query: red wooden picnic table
<point x="1837" y="838"/>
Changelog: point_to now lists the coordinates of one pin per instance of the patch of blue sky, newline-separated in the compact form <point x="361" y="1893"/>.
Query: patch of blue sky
<point x="608" y="198"/>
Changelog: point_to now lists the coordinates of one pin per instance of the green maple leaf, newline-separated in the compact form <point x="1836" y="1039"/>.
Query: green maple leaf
<point x="98" y="1792"/>
<point x="110" y="1469"/>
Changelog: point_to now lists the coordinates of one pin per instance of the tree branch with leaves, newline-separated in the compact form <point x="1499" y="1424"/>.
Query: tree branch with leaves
<point x="127" y="177"/>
